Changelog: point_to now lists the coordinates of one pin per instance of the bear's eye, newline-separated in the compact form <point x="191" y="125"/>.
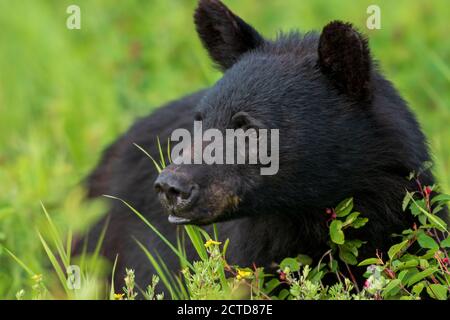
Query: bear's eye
<point x="198" y="116"/>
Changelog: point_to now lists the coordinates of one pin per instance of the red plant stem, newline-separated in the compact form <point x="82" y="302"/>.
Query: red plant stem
<point x="353" y="278"/>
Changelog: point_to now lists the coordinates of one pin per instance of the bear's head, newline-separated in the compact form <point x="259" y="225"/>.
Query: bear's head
<point x="316" y="89"/>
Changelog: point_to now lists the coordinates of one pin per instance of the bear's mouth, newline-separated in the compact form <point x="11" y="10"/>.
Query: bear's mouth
<point x="179" y="220"/>
<point x="200" y="217"/>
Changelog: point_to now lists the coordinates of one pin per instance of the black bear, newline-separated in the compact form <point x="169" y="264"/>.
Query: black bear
<point x="344" y="132"/>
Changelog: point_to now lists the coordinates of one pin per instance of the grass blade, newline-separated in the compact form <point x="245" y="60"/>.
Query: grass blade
<point x="56" y="237"/>
<point x="60" y="273"/>
<point x="170" y="276"/>
<point x="69" y="246"/>
<point x="155" y="230"/>
<point x="158" y="269"/>
<point x="112" y="292"/>
<point x="197" y="241"/>
<point x="161" y="154"/>
<point x="168" y="151"/>
<point x="20" y="263"/>
<point x="151" y="158"/>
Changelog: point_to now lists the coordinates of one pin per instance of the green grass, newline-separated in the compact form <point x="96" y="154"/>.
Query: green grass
<point x="64" y="95"/>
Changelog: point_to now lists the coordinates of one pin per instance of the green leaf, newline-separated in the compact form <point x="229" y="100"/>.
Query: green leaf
<point x="395" y="263"/>
<point x="438" y="208"/>
<point x="271" y="285"/>
<point x="290" y="263"/>
<point x="438" y="222"/>
<point x="407" y="274"/>
<point x="347" y="256"/>
<point x="435" y="220"/>
<point x="407" y="231"/>
<point x="423" y="219"/>
<point x="402" y="275"/>
<point x="355" y="243"/>
<point x="445" y="243"/>
<point x="427" y="242"/>
<point x="392" y="288"/>
<point x="441" y="198"/>
<point x="351" y="218"/>
<point x="316" y="277"/>
<point x="283" y="294"/>
<point x="397" y="248"/>
<point x="336" y="234"/>
<point x="344" y="207"/>
<point x="316" y="274"/>
<point x="418" y="288"/>
<point x="304" y="260"/>
<point x="421" y="275"/>
<point x="359" y="222"/>
<point x="333" y="266"/>
<point x="437" y="291"/>
<point x="351" y="247"/>
<point x="406" y="200"/>
<point x="423" y="264"/>
<point x="429" y="254"/>
<point x="417" y="205"/>
<point x="370" y="261"/>
<point x="406" y="265"/>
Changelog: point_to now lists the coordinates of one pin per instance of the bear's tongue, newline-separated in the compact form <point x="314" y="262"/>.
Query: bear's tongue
<point x="178" y="220"/>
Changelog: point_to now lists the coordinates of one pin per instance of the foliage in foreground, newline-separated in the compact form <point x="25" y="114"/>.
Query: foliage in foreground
<point x="416" y="267"/>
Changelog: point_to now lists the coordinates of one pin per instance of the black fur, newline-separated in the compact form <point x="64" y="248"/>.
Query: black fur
<point x="344" y="56"/>
<point x="344" y="132"/>
<point x="225" y="35"/>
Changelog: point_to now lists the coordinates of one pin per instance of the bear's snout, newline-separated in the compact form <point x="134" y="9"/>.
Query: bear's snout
<point x="177" y="195"/>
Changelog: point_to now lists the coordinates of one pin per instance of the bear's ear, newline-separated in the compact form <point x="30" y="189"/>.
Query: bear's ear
<point x="224" y="35"/>
<point x="345" y="58"/>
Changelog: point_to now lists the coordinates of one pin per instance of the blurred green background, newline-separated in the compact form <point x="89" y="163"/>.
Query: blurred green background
<point x="65" y="94"/>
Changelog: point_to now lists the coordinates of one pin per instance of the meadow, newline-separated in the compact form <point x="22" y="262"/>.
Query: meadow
<point x="66" y="94"/>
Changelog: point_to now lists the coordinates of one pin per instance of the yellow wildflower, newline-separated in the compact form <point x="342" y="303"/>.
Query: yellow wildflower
<point x="243" y="274"/>
<point x="118" y="296"/>
<point x="211" y="242"/>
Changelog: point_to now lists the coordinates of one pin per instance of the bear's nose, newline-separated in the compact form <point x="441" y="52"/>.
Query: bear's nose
<point x="176" y="194"/>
